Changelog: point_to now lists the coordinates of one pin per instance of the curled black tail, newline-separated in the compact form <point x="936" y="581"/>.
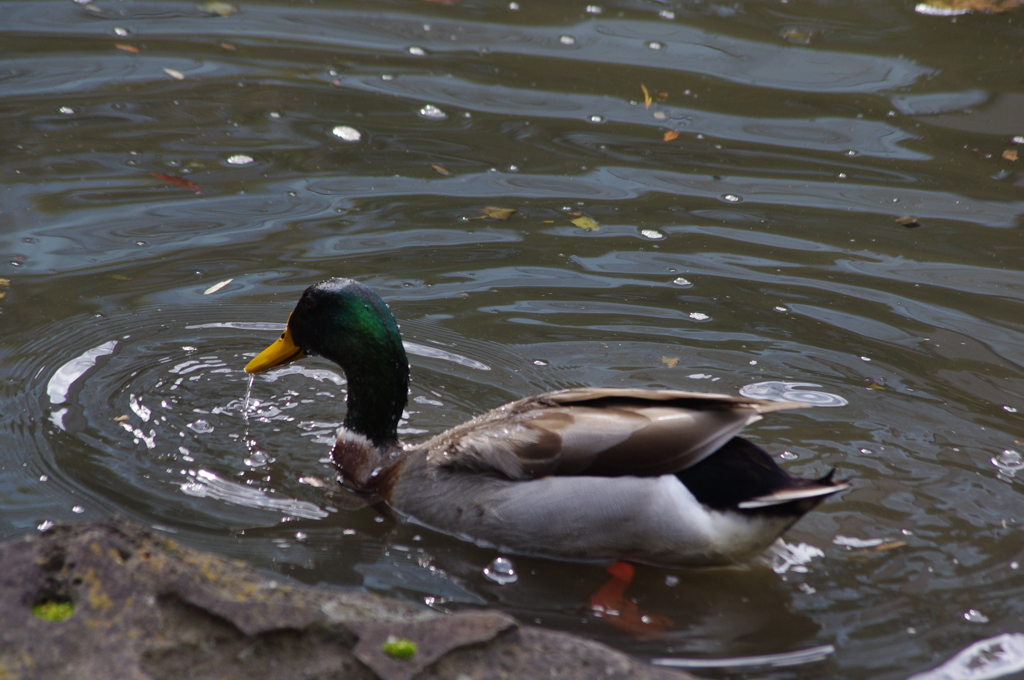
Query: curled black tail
<point x="742" y="476"/>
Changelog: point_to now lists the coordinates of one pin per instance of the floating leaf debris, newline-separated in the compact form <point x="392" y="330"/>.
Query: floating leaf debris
<point x="217" y="286"/>
<point x="178" y="181"/>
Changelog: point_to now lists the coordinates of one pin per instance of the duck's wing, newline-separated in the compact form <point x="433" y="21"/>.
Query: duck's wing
<point x="598" y="431"/>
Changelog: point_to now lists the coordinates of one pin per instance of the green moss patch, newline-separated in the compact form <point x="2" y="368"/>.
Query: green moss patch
<point x="399" y="648"/>
<point x="53" y="610"/>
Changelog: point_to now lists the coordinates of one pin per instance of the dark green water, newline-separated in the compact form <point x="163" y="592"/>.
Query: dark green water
<point x="759" y="245"/>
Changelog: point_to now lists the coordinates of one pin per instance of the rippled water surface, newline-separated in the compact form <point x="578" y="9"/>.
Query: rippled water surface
<point x="747" y="233"/>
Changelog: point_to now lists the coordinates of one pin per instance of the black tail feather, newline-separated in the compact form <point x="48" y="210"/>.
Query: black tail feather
<point x="741" y="471"/>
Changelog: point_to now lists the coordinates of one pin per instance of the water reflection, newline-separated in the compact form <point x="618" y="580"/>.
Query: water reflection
<point x="760" y="245"/>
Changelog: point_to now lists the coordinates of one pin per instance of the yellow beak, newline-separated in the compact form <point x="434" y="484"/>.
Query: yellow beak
<point x="281" y="351"/>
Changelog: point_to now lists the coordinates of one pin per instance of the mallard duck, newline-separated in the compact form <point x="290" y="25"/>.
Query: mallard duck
<point x="652" y="476"/>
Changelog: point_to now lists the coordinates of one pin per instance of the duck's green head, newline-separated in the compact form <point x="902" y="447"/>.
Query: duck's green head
<point x="344" y="321"/>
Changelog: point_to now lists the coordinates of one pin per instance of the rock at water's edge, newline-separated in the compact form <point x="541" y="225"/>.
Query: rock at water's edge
<point x="143" y="607"/>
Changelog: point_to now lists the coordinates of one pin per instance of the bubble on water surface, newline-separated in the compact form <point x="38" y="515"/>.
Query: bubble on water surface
<point x="201" y="426"/>
<point x="239" y="159"/>
<point x="431" y="112"/>
<point x="501" y="571"/>
<point x="417" y="51"/>
<point x="974" y="616"/>
<point x="567" y="40"/>
<point x="256" y="460"/>
<point x="349" y="134"/>
<point x="652" y="234"/>
<point x="680" y="281"/>
<point x="791" y="391"/>
<point x="1009" y="463"/>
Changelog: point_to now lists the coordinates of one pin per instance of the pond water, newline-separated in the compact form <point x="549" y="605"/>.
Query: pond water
<point x="174" y="175"/>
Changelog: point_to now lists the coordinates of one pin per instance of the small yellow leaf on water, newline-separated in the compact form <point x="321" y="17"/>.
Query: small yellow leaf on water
<point x="647" y="96"/>
<point x="1010" y="154"/>
<point x="891" y="545"/>
<point x="217" y="286"/>
<point x="177" y="75"/>
<point x="798" y="35"/>
<point x="223" y="9"/>
<point x="497" y="213"/>
<point x="120" y="419"/>
<point x="670" y="361"/>
<point x="669" y="136"/>
<point x="441" y="169"/>
<point x="585" y="223"/>
<point x="5" y="282"/>
<point x="127" y="48"/>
